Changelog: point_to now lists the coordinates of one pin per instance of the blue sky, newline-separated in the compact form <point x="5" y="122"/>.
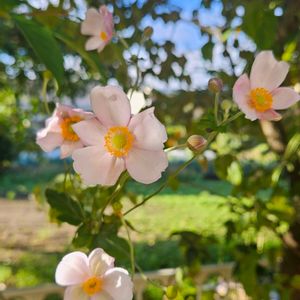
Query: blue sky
<point x="184" y="34"/>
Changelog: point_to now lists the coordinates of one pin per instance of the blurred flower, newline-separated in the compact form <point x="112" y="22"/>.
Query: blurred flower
<point x="93" y="277"/>
<point x="196" y="142"/>
<point x="99" y="25"/>
<point x="116" y="141"/>
<point x="59" y="132"/>
<point x="259" y="96"/>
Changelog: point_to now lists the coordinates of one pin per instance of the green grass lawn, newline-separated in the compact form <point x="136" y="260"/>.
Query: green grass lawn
<point x="197" y="205"/>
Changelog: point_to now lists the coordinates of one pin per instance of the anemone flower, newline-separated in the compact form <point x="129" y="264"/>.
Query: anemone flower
<point x="59" y="132"/>
<point x="99" y="25"/>
<point x="259" y="96"/>
<point x="117" y="141"/>
<point x="93" y="277"/>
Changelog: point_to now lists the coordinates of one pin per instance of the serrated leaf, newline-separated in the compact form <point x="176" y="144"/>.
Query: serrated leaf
<point x="67" y="210"/>
<point x="43" y="44"/>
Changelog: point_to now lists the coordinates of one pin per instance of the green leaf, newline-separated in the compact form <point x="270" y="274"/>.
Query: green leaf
<point x="67" y="210"/>
<point x="235" y="173"/>
<point x="222" y="163"/>
<point x="83" y="237"/>
<point x="260" y="24"/>
<point x="43" y="44"/>
<point x="207" y="50"/>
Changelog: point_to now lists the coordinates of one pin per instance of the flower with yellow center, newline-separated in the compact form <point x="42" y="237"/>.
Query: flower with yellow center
<point x="103" y="36"/>
<point x="261" y="99"/>
<point x="59" y="132"/>
<point x="93" y="277"/>
<point x="99" y="25"/>
<point x="259" y="96"/>
<point x="118" y="141"/>
<point x="66" y="128"/>
<point x="92" y="285"/>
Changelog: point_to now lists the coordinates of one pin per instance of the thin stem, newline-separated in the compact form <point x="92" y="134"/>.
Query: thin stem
<point x="237" y="115"/>
<point x="44" y="95"/>
<point x="131" y="247"/>
<point x="115" y="193"/>
<point x="141" y="272"/>
<point x="216" y="108"/>
<point x="177" y="171"/>
<point x="181" y="146"/>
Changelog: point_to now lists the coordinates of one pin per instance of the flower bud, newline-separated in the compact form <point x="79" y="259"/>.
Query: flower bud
<point x="226" y="104"/>
<point x="148" y="31"/>
<point x="215" y="85"/>
<point x="196" y="142"/>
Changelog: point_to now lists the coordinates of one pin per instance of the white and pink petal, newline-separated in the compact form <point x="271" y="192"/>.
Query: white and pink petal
<point x="73" y="269"/>
<point x="241" y="92"/>
<point x="75" y="293"/>
<point x="146" y="166"/>
<point x="96" y="166"/>
<point x="94" y="43"/>
<point x="48" y="141"/>
<point x="68" y="147"/>
<point x="93" y="23"/>
<point x="118" y="284"/>
<point x="267" y="72"/>
<point x="149" y="133"/>
<point x="284" y="97"/>
<point x="90" y="132"/>
<point x="100" y="262"/>
<point x="110" y="105"/>
<point x="269" y="115"/>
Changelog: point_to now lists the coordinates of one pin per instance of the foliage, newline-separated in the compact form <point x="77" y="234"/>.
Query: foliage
<point x="260" y="160"/>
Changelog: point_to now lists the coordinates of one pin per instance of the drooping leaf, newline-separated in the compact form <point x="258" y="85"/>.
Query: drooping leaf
<point x="43" y="44"/>
<point x="67" y="209"/>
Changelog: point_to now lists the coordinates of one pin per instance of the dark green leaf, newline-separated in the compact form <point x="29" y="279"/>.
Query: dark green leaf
<point x="207" y="50"/>
<point x="260" y="24"/>
<point x="67" y="210"/>
<point x="44" y="45"/>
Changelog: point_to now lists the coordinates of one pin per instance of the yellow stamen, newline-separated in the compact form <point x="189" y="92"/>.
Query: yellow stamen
<point x="118" y="141"/>
<point x="67" y="130"/>
<point x="103" y="35"/>
<point x="261" y="99"/>
<point x="92" y="285"/>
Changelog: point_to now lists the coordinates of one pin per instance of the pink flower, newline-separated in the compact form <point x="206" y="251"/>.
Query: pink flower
<point x="93" y="277"/>
<point x="117" y="141"/>
<point x="99" y="25"/>
<point x="59" y="132"/>
<point x="260" y="96"/>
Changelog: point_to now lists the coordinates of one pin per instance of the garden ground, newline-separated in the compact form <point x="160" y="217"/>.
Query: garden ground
<point x="31" y="246"/>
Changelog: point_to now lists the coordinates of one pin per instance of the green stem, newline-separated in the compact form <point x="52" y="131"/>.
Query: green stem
<point x="181" y="146"/>
<point x="173" y="175"/>
<point x="234" y="117"/>
<point x="117" y="191"/>
<point x="216" y="108"/>
<point x="131" y="247"/>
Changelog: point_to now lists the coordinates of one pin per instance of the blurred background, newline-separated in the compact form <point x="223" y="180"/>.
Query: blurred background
<point x="239" y="202"/>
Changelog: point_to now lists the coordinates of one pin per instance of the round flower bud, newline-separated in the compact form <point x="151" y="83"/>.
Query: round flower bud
<point x="226" y="104"/>
<point x="148" y="31"/>
<point x="196" y="142"/>
<point x="215" y="85"/>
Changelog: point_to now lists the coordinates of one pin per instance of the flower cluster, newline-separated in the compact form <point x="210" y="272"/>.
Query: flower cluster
<point x="110" y="141"/>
